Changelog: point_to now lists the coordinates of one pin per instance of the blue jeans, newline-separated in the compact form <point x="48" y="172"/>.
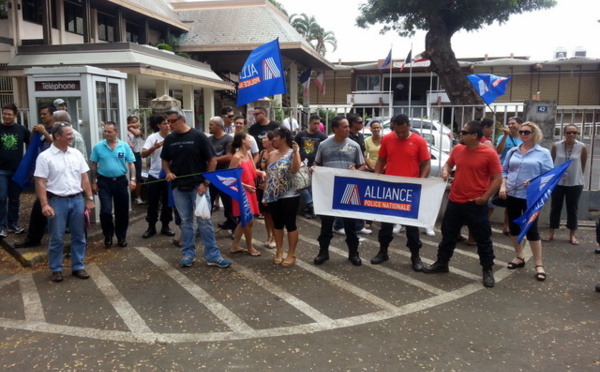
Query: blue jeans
<point x="10" y="193"/>
<point x="68" y="212"/>
<point x="339" y="224"/>
<point x="475" y="216"/>
<point x="185" y="201"/>
<point x="306" y="195"/>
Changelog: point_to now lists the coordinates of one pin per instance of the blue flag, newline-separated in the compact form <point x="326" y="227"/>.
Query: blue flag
<point x="262" y="74"/>
<point x="230" y="182"/>
<point x="387" y="61"/>
<point x="489" y="86"/>
<point x="538" y="192"/>
<point x="24" y="174"/>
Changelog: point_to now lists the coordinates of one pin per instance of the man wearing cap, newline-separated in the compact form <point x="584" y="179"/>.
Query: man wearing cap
<point x="61" y="184"/>
<point x="110" y="161"/>
<point x="60" y="104"/>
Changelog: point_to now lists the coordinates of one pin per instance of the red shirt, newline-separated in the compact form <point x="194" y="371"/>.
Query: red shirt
<point x="404" y="157"/>
<point x="474" y="170"/>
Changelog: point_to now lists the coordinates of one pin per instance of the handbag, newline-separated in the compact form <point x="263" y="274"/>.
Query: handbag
<point x="302" y="179"/>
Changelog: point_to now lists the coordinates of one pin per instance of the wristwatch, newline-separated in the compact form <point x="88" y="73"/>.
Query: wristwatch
<point x="90" y="198"/>
<point x="134" y="179"/>
<point x="206" y="183"/>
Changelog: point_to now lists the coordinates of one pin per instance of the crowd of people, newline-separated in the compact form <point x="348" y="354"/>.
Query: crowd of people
<point x="269" y="155"/>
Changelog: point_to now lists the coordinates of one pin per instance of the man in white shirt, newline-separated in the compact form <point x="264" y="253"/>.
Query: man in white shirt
<point x="61" y="182"/>
<point x="291" y="124"/>
<point x="239" y="124"/>
<point x="157" y="191"/>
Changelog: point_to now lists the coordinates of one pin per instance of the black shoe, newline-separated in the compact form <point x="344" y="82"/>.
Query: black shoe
<point x="150" y="232"/>
<point x="437" y="267"/>
<point x="380" y="258"/>
<point x="355" y="259"/>
<point x="108" y="242"/>
<point x="226" y="226"/>
<point x="166" y="231"/>
<point x="27" y="243"/>
<point x="597" y="287"/>
<point x="81" y="274"/>
<point x="597" y="251"/>
<point x="417" y="264"/>
<point x="56" y="276"/>
<point x="322" y="257"/>
<point x="488" y="278"/>
<point x="122" y="243"/>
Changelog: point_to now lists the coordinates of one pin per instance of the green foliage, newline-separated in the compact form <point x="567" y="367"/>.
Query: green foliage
<point x="407" y="16"/>
<point x="164" y="46"/>
<point x="279" y="6"/>
<point x="310" y="30"/>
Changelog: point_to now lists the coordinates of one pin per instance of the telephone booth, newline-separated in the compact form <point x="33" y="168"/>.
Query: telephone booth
<point x="92" y="96"/>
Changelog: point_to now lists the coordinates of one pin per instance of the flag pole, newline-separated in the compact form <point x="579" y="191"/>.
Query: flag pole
<point x="391" y="95"/>
<point x="410" y="82"/>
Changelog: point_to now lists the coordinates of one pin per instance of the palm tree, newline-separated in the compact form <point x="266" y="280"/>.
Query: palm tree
<point x="310" y="30"/>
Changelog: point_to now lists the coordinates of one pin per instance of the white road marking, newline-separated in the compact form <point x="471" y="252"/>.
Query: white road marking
<point x="132" y="319"/>
<point x="221" y="312"/>
<point x="32" y="302"/>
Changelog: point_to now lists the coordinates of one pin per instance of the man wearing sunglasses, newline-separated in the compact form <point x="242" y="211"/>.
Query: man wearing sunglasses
<point x="227" y="115"/>
<point x="478" y="176"/>
<point x="510" y="138"/>
<point x="263" y="124"/>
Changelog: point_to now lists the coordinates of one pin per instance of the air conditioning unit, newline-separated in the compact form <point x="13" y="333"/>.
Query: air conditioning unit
<point x="580" y="52"/>
<point x="560" y="53"/>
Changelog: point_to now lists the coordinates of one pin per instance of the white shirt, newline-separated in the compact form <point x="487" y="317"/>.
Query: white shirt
<point x="294" y="124"/>
<point x="62" y="170"/>
<point x="155" y="161"/>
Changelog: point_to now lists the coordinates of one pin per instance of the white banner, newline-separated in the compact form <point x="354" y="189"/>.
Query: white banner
<point x="377" y="197"/>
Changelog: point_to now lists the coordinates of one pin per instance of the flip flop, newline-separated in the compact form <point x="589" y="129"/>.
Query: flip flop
<point x="254" y="253"/>
<point x="574" y="241"/>
<point x="547" y="239"/>
<point x="239" y="251"/>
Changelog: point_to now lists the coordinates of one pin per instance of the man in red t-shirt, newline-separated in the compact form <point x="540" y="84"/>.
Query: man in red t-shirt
<point x="478" y="176"/>
<point x="402" y="153"/>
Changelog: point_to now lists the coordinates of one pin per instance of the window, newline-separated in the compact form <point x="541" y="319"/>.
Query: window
<point x="368" y="82"/>
<point x="74" y="17"/>
<point x="3" y="9"/>
<point x="134" y="33"/>
<point x="32" y="11"/>
<point x="106" y="27"/>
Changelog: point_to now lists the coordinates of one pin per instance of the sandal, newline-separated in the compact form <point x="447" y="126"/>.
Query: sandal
<point x="540" y="276"/>
<point x="513" y="265"/>
<point x="574" y="241"/>
<point x="278" y="257"/>
<point x="239" y="250"/>
<point x="289" y="260"/>
<point x="252" y="252"/>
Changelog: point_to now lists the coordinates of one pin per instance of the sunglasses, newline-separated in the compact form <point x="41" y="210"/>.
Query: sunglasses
<point x="572" y="133"/>
<point x="464" y="133"/>
<point x="173" y="121"/>
<point x="525" y="132"/>
<point x="256" y="113"/>
<point x="229" y="116"/>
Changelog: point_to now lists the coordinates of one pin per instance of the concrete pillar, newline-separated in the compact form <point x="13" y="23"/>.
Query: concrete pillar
<point x="132" y="97"/>
<point x="543" y="113"/>
<point x="293" y="89"/>
<point x="188" y="100"/>
<point x="162" y="88"/>
<point x="209" y="107"/>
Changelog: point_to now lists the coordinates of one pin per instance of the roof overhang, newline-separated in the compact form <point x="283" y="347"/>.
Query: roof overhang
<point x="148" y="63"/>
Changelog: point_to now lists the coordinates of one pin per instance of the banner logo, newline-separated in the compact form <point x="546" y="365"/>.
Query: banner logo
<point x="380" y="197"/>
<point x="270" y="70"/>
<point x="351" y="195"/>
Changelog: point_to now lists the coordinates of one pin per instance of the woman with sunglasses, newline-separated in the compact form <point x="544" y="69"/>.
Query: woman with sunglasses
<point x="571" y="185"/>
<point x="523" y="163"/>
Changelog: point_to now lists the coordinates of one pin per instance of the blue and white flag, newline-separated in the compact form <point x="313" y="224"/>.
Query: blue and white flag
<point x="262" y="74"/>
<point x="489" y="86"/>
<point x="230" y="182"/>
<point x="24" y="174"/>
<point x="387" y="61"/>
<point x="538" y="192"/>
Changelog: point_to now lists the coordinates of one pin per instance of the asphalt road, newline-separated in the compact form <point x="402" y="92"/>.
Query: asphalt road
<point x="141" y="312"/>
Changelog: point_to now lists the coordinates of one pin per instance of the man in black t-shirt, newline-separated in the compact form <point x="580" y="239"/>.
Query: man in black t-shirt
<point x="308" y="142"/>
<point x="12" y="138"/>
<point x="259" y="129"/>
<point x="186" y="154"/>
<point x="221" y="143"/>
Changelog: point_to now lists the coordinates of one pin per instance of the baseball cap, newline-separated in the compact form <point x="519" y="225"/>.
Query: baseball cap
<point x="59" y="102"/>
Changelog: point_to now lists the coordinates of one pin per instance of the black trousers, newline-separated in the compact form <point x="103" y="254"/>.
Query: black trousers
<point x="386" y="235"/>
<point x="476" y="217"/>
<point x="572" y="195"/>
<point x="116" y="191"/>
<point x="327" y="233"/>
<point x="158" y="193"/>
<point x="37" y="223"/>
<point x="227" y="205"/>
